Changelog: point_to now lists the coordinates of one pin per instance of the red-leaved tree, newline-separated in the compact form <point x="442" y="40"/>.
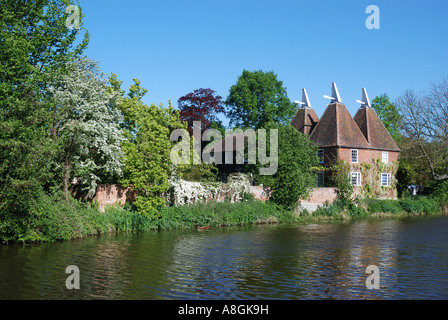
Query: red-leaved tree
<point x="201" y="105"/>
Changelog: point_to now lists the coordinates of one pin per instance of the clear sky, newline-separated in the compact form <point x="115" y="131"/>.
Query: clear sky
<point x="177" y="46"/>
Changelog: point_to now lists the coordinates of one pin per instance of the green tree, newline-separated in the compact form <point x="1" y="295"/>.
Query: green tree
<point x="147" y="149"/>
<point x="87" y="126"/>
<point x="340" y="178"/>
<point x="389" y="115"/>
<point x="35" y="45"/>
<point x="296" y="160"/>
<point x="258" y="99"/>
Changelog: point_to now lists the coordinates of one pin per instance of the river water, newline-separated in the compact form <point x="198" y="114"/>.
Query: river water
<point x="317" y="261"/>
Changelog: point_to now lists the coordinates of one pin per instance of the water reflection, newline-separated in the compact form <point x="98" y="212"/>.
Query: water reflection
<point x="319" y="261"/>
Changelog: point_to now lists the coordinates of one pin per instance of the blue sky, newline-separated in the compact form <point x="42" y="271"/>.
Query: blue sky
<point x="177" y="46"/>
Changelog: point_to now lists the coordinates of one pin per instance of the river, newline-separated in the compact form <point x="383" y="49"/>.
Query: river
<point x="284" y="261"/>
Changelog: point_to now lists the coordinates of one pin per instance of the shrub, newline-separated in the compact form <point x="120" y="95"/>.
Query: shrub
<point x="420" y="205"/>
<point x="383" y="206"/>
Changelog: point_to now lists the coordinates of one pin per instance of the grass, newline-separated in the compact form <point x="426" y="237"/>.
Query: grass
<point x="52" y="219"/>
<point x="217" y="214"/>
<point x="374" y="208"/>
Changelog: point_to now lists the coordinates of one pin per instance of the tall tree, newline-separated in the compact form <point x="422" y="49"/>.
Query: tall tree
<point x="35" y="45"/>
<point x="258" y="99"/>
<point x="296" y="161"/>
<point x="86" y="126"/>
<point x="425" y="120"/>
<point x="389" y="115"/>
<point x="201" y="105"/>
<point x="147" y="149"/>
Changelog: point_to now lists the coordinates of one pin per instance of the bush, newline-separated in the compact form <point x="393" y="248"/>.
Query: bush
<point x="383" y="206"/>
<point x="420" y="205"/>
<point x="215" y="214"/>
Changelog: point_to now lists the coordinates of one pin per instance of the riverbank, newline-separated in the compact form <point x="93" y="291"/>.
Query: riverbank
<point x="54" y="220"/>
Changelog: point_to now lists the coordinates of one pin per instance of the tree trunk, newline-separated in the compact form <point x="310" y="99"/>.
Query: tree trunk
<point x="68" y="169"/>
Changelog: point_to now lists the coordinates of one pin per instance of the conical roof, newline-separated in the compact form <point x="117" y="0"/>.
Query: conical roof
<point x="336" y="128"/>
<point x="305" y="120"/>
<point x="374" y="130"/>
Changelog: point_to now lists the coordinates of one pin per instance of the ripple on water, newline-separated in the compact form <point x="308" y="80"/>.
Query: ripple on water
<point x="325" y="261"/>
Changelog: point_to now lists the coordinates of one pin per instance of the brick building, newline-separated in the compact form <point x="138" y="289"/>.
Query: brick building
<point x="362" y="141"/>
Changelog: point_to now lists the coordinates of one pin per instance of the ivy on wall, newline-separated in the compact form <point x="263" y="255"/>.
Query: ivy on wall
<point x="371" y="177"/>
<point x="371" y="186"/>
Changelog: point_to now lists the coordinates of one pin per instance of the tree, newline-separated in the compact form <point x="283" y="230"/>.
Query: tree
<point x="258" y="99"/>
<point x="35" y="46"/>
<point x="147" y="148"/>
<point x="340" y="178"/>
<point x="436" y="107"/>
<point x="389" y="115"/>
<point x="296" y="160"/>
<point x="201" y="105"/>
<point x="424" y="119"/>
<point x="86" y="127"/>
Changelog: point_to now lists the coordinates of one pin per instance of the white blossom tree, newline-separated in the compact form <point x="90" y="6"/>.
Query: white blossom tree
<point x="86" y="126"/>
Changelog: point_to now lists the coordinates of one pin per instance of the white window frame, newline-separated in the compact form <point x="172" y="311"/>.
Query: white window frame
<point x="320" y="174"/>
<point x="385" y="157"/>
<point x="357" y="178"/>
<point x="385" y="183"/>
<point x="357" y="155"/>
<point x="321" y="155"/>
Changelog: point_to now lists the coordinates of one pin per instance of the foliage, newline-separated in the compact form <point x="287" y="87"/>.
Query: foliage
<point x="147" y="148"/>
<point x="383" y="206"/>
<point x="439" y="190"/>
<point x="201" y="105"/>
<point x="86" y="126"/>
<point x="389" y="115"/>
<point x="216" y="214"/>
<point x="35" y="46"/>
<point x="202" y="172"/>
<point x="186" y="192"/>
<point x="296" y="158"/>
<point x="421" y="205"/>
<point x="340" y="178"/>
<point x="51" y="218"/>
<point x="425" y="118"/>
<point x="258" y="99"/>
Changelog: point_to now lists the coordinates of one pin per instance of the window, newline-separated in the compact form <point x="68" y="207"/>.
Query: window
<point x="385" y="157"/>
<point x="354" y="156"/>
<point x="320" y="179"/>
<point x="356" y="178"/>
<point x="320" y="155"/>
<point x="385" y="179"/>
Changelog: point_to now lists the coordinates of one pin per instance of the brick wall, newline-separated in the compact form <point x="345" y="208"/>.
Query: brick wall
<point x="365" y="156"/>
<point x="321" y="195"/>
<point x="116" y="195"/>
<point x="260" y="192"/>
<point x="112" y="195"/>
